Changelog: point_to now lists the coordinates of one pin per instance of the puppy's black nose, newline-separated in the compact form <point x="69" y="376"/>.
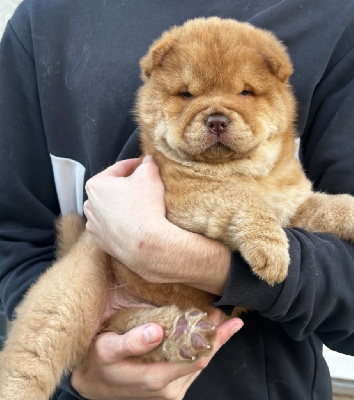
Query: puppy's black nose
<point x="217" y="123"/>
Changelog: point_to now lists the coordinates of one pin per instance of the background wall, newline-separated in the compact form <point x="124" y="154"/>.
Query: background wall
<point x="342" y="367"/>
<point x="7" y="8"/>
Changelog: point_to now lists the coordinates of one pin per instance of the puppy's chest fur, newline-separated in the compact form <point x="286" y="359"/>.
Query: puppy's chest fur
<point x="208" y="203"/>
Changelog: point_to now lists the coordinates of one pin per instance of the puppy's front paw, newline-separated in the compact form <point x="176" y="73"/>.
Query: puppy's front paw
<point x="191" y="336"/>
<point x="268" y="256"/>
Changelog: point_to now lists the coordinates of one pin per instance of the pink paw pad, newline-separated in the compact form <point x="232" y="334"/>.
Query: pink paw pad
<point x="181" y="327"/>
<point x="205" y="326"/>
<point x="194" y="334"/>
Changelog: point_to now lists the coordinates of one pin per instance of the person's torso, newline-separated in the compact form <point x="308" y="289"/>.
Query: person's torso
<point x="87" y="60"/>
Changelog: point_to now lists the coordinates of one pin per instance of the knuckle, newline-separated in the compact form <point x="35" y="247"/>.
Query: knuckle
<point x="102" y="347"/>
<point x="130" y="345"/>
<point x="86" y="206"/>
<point x="92" y="184"/>
<point x="88" y="185"/>
<point x="89" y="227"/>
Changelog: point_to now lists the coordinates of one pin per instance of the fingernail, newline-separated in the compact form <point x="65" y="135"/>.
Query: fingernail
<point x="235" y="328"/>
<point x="151" y="334"/>
<point x="148" y="158"/>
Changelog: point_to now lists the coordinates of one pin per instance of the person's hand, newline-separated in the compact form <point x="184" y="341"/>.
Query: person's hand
<point x="125" y="204"/>
<point x="106" y="374"/>
<point x="125" y="214"/>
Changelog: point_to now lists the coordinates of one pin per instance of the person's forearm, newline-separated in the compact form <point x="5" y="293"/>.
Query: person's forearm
<point x="188" y="258"/>
<point x="135" y="230"/>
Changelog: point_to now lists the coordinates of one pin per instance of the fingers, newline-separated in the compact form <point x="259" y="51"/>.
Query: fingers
<point x="148" y="169"/>
<point x="86" y="209"/>
<point x="123" y="168"/>
<point x="148" y="159"/>
<point x="111" y="347"/>
<point x="124" y="379"/>
<point x="225" y="331"/>
<point x="120" y="169"/>
<point x="173" y="371"/>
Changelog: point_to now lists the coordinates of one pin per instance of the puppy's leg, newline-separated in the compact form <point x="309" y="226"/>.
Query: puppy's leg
<point x="327" y="213"/>
<point x="263" y="244"/>
<point x="188" y="333"/>
<point x="252" y="228"/>
<point x="69" y="228"/>
<point x="55" y="324"/>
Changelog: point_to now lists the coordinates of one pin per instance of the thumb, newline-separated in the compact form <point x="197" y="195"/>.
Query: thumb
<point x="111" y="347"/>
<point x="122" y="168"/>
<point x="225" y="331"/>
<point x="148" y="159"/>
<point x="148" y="174"/>
<point x="149" y="167"/>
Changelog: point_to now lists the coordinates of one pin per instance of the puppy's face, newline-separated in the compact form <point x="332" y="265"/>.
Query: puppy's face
<point x="215" y="91"/>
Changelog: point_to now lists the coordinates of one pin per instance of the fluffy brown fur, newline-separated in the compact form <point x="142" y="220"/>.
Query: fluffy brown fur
<point x="241" y="184"/>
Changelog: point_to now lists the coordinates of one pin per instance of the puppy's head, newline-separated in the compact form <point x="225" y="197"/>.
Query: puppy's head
<point x="214" y="90"/>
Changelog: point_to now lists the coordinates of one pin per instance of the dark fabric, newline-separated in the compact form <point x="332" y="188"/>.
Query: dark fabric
<point x="68" y="75"/>
<point x="67" y="392"/>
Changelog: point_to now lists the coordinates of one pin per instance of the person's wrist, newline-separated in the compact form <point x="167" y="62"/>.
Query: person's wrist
<point x="149" y="249"/>
<point x="211" y="268"/>
<point x="185" y="257"/>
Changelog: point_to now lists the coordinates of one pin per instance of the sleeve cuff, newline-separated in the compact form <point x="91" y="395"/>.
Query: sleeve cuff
<point x="65" y="385"/>
<point x="244" y="289"/>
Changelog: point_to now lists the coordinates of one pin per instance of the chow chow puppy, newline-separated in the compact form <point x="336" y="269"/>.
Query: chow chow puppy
<point x="216" y="112"/>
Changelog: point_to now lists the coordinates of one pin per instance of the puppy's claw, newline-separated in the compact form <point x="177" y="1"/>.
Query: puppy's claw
<point x="186" y="353"/>
<point x="198" y="343"/>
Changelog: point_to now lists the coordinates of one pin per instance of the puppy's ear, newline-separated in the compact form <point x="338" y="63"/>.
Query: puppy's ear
<point x="281" y="67"/>
<point x="155" y="55"/>
<point x="277" y="58"/>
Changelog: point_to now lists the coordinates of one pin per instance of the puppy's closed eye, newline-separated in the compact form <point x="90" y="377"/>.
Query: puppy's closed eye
<point x="246" y="92"/>
<point x="186" y="95"/>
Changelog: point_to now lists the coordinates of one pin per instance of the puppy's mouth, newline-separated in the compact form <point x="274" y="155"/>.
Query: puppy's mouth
<point x="222" y="134"/>
<point x="219" y="141"/>
<point x="217" y="130"/>
<point x="226" y="139"/>
<point x="217" y="148"/>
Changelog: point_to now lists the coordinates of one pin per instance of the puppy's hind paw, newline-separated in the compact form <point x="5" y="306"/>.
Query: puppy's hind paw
<point x="191" y="336"/>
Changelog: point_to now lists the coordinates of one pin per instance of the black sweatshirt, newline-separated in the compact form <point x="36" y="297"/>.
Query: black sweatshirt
<point x="68" y="76"/>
